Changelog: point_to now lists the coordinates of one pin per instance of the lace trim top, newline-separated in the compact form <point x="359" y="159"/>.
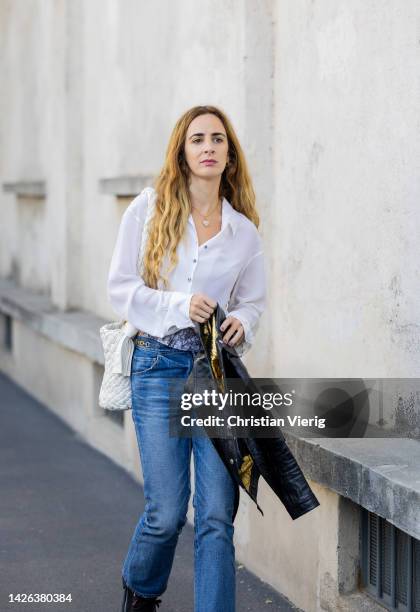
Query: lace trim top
<point x="185" y="339"/>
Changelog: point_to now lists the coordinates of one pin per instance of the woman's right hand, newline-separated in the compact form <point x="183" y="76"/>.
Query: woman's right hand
<point x="201" y="307"/>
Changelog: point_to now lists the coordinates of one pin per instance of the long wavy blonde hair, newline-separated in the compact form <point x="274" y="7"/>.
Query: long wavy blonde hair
<point x="173" y="205"/>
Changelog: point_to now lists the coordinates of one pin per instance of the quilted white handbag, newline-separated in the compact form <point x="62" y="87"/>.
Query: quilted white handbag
<point x="118" y="345"/>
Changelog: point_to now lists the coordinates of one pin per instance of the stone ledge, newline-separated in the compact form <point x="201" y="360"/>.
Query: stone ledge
<point x="34" y="189"/>
<point x="125" y="186"/>
<point x="76" y="330"/>
<point x="358" y="601"/>
<point x="380" y="474"/>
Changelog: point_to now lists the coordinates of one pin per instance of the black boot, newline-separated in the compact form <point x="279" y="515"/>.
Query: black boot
<point x="135" y="603"/>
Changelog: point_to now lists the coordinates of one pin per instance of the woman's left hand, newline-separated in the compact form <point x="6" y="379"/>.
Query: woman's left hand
<point x="235" y="331"/>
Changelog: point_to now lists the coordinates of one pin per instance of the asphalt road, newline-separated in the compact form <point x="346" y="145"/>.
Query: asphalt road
<point x="67" y="513"/>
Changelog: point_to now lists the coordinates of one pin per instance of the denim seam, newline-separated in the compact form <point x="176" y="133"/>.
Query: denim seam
<point x="196" y="532"/>
<point x="154" y="363"/>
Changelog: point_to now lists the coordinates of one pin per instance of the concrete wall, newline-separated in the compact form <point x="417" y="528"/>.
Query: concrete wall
<point x="345" y="207"/>
<point x="324" y="98"/>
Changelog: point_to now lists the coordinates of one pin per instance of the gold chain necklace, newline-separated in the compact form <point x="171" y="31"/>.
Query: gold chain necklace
<point x="205" y="220"/>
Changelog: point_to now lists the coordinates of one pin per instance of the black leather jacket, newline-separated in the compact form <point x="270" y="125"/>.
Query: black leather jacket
<point x="248" y="458"/>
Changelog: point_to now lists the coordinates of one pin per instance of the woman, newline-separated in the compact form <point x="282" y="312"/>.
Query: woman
<point x="203" y="248"/>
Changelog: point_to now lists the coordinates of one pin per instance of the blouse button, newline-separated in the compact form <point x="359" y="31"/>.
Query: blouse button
<point x="194" y="261"/>
<point x="205" y="246"/>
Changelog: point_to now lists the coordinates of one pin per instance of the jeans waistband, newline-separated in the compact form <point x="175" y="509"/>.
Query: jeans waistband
<point x="151" y="343"/>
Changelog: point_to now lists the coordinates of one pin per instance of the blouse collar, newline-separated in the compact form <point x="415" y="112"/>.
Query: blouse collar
<point x="230" y="217"/>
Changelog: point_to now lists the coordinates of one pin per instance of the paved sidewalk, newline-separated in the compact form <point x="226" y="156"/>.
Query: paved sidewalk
<point x="67" y="513"/>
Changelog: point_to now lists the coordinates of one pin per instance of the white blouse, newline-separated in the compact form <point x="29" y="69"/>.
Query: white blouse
<point x="229" y="268"/>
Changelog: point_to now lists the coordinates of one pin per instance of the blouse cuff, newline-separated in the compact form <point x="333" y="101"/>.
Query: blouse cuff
<point x="178" y="314"/>
<point x="249" y="334"/>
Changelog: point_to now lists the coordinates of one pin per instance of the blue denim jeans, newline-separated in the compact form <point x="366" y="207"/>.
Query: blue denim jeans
<point x="165" y="464"/>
